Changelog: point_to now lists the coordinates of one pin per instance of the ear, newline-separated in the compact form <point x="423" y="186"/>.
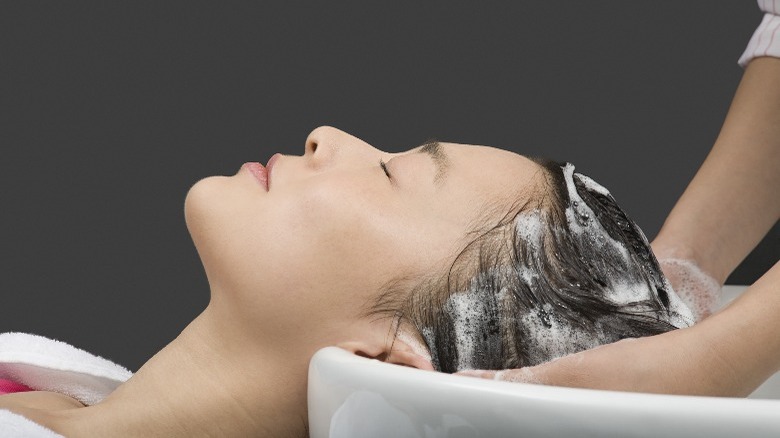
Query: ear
<point x="402" y="353"/>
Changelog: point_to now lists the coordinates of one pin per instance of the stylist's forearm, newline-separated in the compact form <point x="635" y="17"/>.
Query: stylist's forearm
<point x="734" y="199"/>
<point x="743" y="341"/>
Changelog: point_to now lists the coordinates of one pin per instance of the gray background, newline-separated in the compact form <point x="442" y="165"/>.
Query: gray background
<point x="111" y="111"/>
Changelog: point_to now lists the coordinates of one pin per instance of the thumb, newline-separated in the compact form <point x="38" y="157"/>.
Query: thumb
<point x="483" y="374"/>
<point x="517" y="375"/>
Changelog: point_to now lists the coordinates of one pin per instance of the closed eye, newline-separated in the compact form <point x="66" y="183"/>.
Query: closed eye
<point x="383" y="165"/>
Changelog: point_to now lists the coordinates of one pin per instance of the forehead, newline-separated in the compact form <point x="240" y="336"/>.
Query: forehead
<point x="490" y="170"/>
<point x="481" y="183"/>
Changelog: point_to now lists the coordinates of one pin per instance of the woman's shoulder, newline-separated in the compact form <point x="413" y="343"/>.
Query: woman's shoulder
<point x="42" y="400"/>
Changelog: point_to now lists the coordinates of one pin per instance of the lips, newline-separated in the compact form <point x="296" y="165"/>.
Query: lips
<point x="262" y="173"/>
<point x="259" y="172"/>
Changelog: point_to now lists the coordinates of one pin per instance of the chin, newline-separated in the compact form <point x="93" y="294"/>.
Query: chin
<point x="221" y="213"/>
<point x="203" y="202"/>
<point x="211" y="210"/>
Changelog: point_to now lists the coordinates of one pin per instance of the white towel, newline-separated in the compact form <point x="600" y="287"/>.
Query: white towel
<point x="16" y="426"/>
<point x="45" y="364"/>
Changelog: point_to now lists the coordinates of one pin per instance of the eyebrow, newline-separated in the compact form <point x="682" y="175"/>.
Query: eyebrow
<point x="439" y="156"/>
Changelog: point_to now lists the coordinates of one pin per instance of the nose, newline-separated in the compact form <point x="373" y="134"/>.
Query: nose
<point x="327" y="144"/>
<point x="319" y="136"/>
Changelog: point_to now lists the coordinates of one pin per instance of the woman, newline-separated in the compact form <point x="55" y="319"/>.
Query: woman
<point x="415" y="258"/>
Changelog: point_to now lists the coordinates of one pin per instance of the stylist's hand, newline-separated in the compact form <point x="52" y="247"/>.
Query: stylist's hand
<point x="670" y="363"/>
<point x="695" y="287"/>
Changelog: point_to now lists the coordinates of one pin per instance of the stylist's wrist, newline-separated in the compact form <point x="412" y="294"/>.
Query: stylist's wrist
<point x="698" y="289"/>
<point x="666" y="248"/>
<point x="671" y="245"/>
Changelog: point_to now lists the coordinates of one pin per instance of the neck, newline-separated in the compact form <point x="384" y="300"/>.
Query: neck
<point x="212" y="380"/>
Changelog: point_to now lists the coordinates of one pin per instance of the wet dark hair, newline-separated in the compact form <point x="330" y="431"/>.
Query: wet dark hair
<point x="528" y="298"/>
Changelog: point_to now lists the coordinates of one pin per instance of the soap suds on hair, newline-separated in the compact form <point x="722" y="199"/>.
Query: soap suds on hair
<point x="529" y="227"/>
<point x="464" y="309"/>
<point x="592" y="185"/>
<point x="581" y="221"/>
<point x="581" y="275"/>
<point x="553" y="338"/>
<point x="625" y="293"/>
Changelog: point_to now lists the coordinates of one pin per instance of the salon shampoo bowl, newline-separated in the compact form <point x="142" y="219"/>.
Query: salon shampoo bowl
<point x="356" y="397"/>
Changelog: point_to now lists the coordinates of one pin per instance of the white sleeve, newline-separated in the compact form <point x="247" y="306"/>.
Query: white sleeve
<point x="766" y="39"/>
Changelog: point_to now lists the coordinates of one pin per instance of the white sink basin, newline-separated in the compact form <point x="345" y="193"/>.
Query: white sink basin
<point x="351" y="396"/>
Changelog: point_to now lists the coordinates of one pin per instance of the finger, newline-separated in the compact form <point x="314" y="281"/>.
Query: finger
<point x="484" y="374"/>
<point x="519" y="375"/>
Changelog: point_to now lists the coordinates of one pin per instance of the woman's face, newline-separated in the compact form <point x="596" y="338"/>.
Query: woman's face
<point x="303" y="258"/>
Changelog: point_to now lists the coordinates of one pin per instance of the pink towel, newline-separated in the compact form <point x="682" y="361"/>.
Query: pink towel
<point x="9" y="386"/>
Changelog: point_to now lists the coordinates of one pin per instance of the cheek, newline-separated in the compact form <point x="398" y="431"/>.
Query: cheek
<point x="334" y="246"/>
<point x="361" y="239"/>
<point x="338" y="227"/>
